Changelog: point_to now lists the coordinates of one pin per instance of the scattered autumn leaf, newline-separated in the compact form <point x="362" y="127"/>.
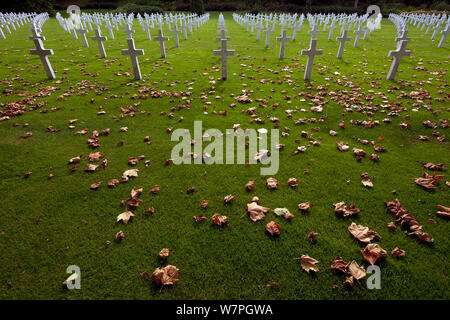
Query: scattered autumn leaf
<point x="272" y="183"/>
<point x="309" y="264"/>
<point x="219" y="219"/>
<point x="398" y="253"/>
<point x="125" y="217"/>
<point x="256" y="211"/>
<point x="373" y="252"/>
<point x="363" y="234"/>
<point x="273" y="229"/>
<point x="165" y="276"/>
<point x="164" y="253"/>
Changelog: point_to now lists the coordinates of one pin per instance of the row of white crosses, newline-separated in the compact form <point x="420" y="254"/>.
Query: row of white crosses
<point x="329" y="21"/>
<point x="36" y="29"/>
<point x="113" y="21"/>
<point x="223" y="52"/>
<point x="354" y="20"/>
<point x="13" y="21"/>
<point x="428" y="22"/>
<point x="148" y="21"/>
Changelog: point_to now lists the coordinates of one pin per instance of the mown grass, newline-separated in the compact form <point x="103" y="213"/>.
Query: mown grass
<point x="214" y="263"/>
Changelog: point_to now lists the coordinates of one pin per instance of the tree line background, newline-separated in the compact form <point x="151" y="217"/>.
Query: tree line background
<point x="254" y="6"/>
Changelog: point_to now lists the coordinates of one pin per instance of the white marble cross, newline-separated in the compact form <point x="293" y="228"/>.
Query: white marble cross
<point x="110" y="28"/>
<point x="147" y="27"/>
<point x="184" y="27"/>
<point x="224" y="53"/>
<point x="313" y="31"/>
<point x="36" y="34"/>
<point x="83" y="32"/>
<point x="311" y="52"/>
<point x="222" y="35"/>
<point x="436" y="28"/>
<point x="43" y="53"/>
<point x="128" y="30"/>
<point x="331" y="27"/>
<point x="258" y="27"/>
<point x="358" y="35"/>
<point x="342" y="39"/>
<point x="282" y="41"/>
<point x="133" y="53"/>
<point x="403" y="37"/>
<point x="161" y="40"/>
<point x="268" y="32"/>
<point x="397" y="54"/>
<point x="98" y="37"/>
<point x="444" y="35"/>
<point x="297" y="27"/>
<point x="282" y="25"/>
<point x="366" y="32"/>
<point x="175" y="32"/>
<point x="2" y="34"/>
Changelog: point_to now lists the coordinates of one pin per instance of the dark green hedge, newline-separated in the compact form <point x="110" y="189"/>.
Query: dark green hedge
<point x="136" y="8"/>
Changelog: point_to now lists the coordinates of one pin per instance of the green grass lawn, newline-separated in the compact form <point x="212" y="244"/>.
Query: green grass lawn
<point x="234" y="262"/>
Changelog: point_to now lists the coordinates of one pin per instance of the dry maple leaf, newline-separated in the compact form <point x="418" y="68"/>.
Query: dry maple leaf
<point x="228" y="198"/>
<point x="165" y="276"/>
<point x="367" y="183"/>
<point x="292" y="182"/>
<point x="125" y="217"/>
<point x="119" y="235"/>
<point x="339" y="265"/>
<point x="204" y="203"/>
<point x="256" y="211"/>
<point x="219" y="219"/>
<point x="95" y="156"/>
<point x="135" y="192"/>
<point x="427" y="180"/>
<point x="304" y="206"/>
<point x="422" y="236"/>
<point x="309" y="263"/>
<point x="131" y="173"/>
<point x="250" y="185"/>
<point x="343" y="211"/>
<point x="96" y="185"/>
<point x="432" y="166"/>
<point x="132" y="161"/>
<point x="356" y="271"/>
<point x="373" y="252"/>
<point x="391" y="226"/>
<point x="443" y="212"/>
<point x="312" y="236"/>
<point x="75" y="160"/>
<point x="283" y="212"/>
<point x="199" y="218"/>
<point x="190" y="190"/>
<point x="272" y="284"/>
<point x="348" y="282"/>
<point x="363" y="234"/>
<point x="342" y="146"/>
<point x="155" y="189"/>
<point x="272" y="183"/>
<point x="273" y="229"/>
<point x="398" y="253"/>
<point x="112" y="183"/>
<point x="164" y="253"/>
<point x="91" y="167"/>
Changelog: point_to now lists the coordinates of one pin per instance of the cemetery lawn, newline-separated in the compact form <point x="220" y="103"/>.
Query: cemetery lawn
<point x="48" y="224"/>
